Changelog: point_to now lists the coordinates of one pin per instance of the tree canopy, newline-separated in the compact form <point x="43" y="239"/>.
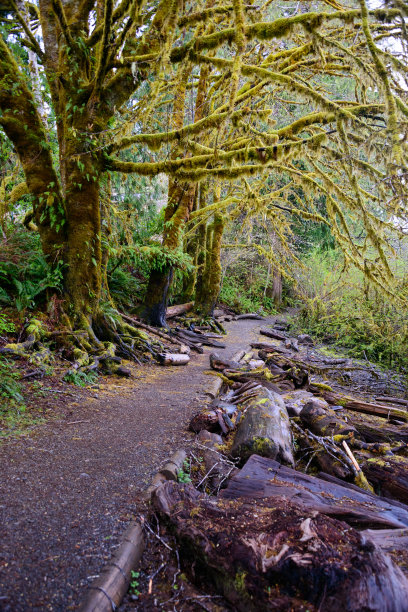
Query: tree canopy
<point x="249" y="110"/>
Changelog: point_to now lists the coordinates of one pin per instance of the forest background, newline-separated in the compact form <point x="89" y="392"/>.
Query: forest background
<point x="162" y="152"/>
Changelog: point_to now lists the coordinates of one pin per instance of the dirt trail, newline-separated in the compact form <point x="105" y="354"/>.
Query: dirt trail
<point x="68" y="491"/>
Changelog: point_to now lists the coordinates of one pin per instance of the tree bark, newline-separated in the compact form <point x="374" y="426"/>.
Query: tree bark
<point x="275" y="555"/>
<point x="262" y="477"/>
<point x="264" y="429"/>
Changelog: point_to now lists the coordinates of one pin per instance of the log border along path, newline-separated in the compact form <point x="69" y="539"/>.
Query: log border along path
<point x="69" y="490"/>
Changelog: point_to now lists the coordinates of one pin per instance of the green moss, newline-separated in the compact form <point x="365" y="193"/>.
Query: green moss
<point x="261" y="446"/>
<point x="239" y="582"/>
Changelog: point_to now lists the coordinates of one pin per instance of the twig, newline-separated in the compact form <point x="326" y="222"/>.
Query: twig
<point x="146" y="524"/>
<point x="75" y="422"/>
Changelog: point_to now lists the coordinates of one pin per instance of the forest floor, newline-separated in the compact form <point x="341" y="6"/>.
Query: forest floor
<point x="69" y="487"/>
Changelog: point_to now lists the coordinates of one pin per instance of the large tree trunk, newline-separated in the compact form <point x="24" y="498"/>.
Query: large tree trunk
<point x="83" y="255"/>
<point x="211" y="282"/>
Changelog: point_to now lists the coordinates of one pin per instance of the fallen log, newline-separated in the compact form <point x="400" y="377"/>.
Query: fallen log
<point x="175" y="465"/>
<point x="173" y="359"/>
<point x="262" y="477"/>
<point x="220" y="364"/>
<point x="198" y="338"/>
<point x="319" y="418"/>
<point x="206" y="419"/>
<point x="264" y="429"/>
<point x="107" y="591"/>
<point x="215" y="386"/>
<point x="351" y="403"/>
<point x="389" y="475"/>
<point x="330" y="459"/>
<point x="272" y="333"/>
<point x="249" y="315"/>
<point x="391" y="541"/>
<point x="305" y="339"/>
<point x="392" y="400"/>
<point x="217" y="467"/>
<point x="150" y="329"/>
<point x="238" y="355"/>
<point x="295" y="400"/>
<point x="273" y="555"/>
<point x="179" y="309"/>
<point x="376" y="429"/>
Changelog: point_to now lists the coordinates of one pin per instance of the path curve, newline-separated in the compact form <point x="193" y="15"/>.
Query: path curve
<point x="68" y="491"/>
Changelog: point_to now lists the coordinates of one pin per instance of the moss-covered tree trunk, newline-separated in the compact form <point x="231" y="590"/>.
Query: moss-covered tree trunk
<point x="22" y="124"/>
<point x="181" y="198"/>
<point x="210" y="283"/>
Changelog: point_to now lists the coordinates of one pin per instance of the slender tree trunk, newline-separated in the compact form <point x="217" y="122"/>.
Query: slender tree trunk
<point x="211" y="283"/>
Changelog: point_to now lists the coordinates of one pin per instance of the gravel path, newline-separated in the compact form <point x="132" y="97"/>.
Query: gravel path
<point x="68" y="491"/>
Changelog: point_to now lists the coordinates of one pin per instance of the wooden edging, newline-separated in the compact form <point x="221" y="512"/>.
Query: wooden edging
<point x="107" y="591"/>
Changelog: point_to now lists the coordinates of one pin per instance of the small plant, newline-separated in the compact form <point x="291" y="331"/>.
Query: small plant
<point x="9" y="387"/>
<point x="134" y="584"/>
<point x="6" y="326"/>
<point x="183" y="475"/>
<point x="80" y="378"/>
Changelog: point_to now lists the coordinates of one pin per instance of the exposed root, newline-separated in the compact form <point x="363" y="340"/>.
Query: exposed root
<point x="99" y="346"/>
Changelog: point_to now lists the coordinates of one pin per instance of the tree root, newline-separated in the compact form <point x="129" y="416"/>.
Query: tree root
<point x="99" y="346"/>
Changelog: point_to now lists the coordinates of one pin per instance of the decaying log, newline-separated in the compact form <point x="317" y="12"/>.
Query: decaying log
<point x="274" y="555"/>
<point x="305" y="339"/>
<point x="291" y="344"/>
<point x="217" y="467"/>
<point x="319" y="418"/>
<point x="238" y="355"/>
<point x="328" y="455"/>
<point x="107" y="591"/>
<point x="264" y="428"/>
<point x="200" y="338"/>
<point x="386" y="412"/>
<point x="376" y="429"/>
<point x="179" y="309"/>
<point x="295" y="400"/>
<point x="392" y="400"/>
<point x="158" y="480"/>
<point x="391" y="541"/>
<point x="206" y="419"/>
<point x="151" y="329"/>
<point x="215" y="386"/>
<point x="262" y="477"/>
<point x="173" y="359"/>
<point x="267" y="347"/>
<point x="220" y="364"/>
<point x="171" y="470"/>
<point x="389" y="475"/>
<point x="253" y="364"/>
<point x="249" y="315"/>
<point x="272" y="333"/>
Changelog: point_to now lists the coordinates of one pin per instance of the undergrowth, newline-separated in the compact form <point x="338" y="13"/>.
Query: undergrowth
<point x="14" y="417"/>
<point x="81" y="379"/>
<point x="343" y="310"/>
<point x="243" y="298"/>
